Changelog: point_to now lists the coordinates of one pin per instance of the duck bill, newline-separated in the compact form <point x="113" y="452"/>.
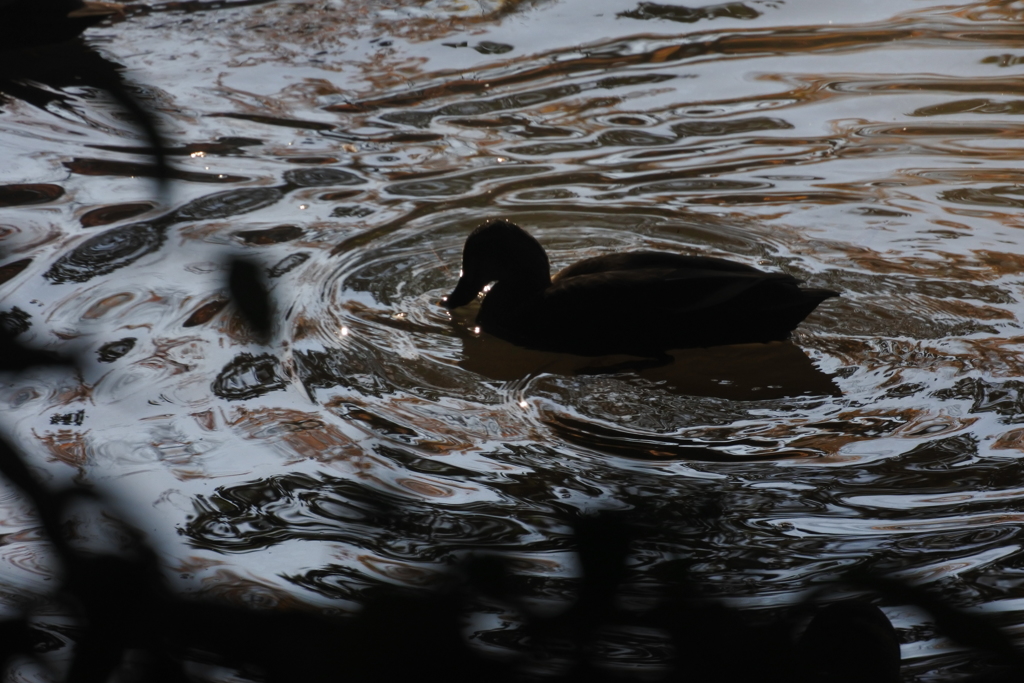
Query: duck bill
<point x="463" y="293"/>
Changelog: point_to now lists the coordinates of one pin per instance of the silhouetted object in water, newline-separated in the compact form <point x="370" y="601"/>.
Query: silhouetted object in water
<point x="640" y="303"/>
<point x="15" y="356"/>
<point x="249" y="292"/>
<point x="39" y="43"/>
<point x="29" y="23"/>
<point x="966" y="628"/>
<point x="849" y="642"/>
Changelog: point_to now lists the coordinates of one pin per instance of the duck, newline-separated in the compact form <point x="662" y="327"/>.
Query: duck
<point x="638" y="303"/>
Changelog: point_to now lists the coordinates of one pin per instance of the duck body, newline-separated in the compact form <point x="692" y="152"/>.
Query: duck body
<point x="640" y="303"/>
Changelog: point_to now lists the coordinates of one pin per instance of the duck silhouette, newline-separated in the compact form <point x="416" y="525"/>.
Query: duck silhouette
<point x="640" y="303"/>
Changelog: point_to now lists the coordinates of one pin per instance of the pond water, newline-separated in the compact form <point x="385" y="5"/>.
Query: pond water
<point x="873" y="148"/>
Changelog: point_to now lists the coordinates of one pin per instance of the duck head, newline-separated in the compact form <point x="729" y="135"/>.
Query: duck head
<point x="499" y="251"/>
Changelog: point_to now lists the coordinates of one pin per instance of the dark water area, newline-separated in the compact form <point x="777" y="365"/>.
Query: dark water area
<point x="348" y="149"/>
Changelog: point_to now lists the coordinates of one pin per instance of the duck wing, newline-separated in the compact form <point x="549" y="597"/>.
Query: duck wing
<point x="663" y="290"/>
<point x="648" y="310"/>
<point x="652" y="260"/>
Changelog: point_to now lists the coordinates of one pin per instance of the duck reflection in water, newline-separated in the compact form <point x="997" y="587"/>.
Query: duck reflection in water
<point x="641" y="303"/>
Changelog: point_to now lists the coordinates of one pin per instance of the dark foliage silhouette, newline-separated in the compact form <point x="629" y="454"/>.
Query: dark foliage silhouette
<point x="40" y="44"/>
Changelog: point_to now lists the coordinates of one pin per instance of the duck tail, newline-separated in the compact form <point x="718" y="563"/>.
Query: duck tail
<point x="818" y="295"/>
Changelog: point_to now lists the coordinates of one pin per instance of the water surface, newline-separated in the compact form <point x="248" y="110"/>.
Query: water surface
<point x="871" y="148"/>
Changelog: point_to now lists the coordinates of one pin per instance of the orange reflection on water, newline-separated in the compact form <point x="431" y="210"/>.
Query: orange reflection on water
<point x="299" y="435"/>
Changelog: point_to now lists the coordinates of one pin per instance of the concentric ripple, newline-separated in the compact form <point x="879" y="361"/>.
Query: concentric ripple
<point x="108" y="251"/>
